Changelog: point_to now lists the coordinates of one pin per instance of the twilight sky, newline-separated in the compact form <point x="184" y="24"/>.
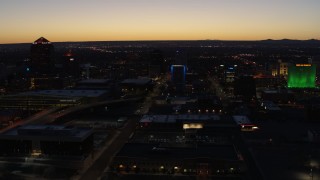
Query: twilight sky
<point x="109" y="20"/>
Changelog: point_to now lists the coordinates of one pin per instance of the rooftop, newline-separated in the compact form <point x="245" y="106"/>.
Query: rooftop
<point x="179" y="117"/>
<point x="47" y="132"/>
<point x="141" y="150"/>
<point x="276" y="91"/>
<point x="240" y="119"/>
<point x="139" y="81"/>
<point x="41" y="40"/>
<point x="94" y="81"/>
<point x="66" y="93"/>
<point x="271" y="106"/>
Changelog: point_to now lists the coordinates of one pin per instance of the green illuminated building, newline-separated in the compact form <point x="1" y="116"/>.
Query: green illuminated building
<point x="302" y="76"/>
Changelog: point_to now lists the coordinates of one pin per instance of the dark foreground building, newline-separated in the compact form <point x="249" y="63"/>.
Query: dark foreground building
<point x="47" y="140"/>
<point x="244" y="86"/>
<point x="212" y="160"/>
<point x="182" y="146"/>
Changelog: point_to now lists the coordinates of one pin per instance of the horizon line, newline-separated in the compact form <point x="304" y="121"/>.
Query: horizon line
<point x="165" y="40"/>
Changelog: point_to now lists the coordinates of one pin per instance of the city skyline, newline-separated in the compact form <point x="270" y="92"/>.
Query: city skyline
<point x="121" y="20"/>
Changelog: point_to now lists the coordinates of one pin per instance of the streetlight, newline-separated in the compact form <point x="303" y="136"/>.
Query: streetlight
<point x="313" y="165"/>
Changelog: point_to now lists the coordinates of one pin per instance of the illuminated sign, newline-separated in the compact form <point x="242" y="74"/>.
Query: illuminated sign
<point x="303" y="65"/>
<point x="193" y="126"/>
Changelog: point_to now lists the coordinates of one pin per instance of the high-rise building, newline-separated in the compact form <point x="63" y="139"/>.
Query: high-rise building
<point x="71" y="64"/>
<point x="230" y="73"/>
<point x="41" y="57"/>
<point x="178" y="77"/>
<point x="281" y="69"/>
<point x="302" y="76"/>
<point x="178" y="74"/>
<point x="156" y="63"/>
<point x="245" y="87"/>
<point x="41" y="66"/>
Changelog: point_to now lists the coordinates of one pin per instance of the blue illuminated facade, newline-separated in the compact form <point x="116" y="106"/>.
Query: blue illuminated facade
<point x="178" y="74"/>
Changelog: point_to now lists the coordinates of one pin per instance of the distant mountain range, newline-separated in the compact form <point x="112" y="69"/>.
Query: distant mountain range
<point x="177" y="43"/>
<point x="290" y="40"/>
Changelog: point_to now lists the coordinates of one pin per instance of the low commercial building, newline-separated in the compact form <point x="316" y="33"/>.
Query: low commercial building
<point x="268" y="81"/>
<point x="244" y="123"/>
<point x="38" y="100"/>
<point x="49" y="140"/>
<point x="213" y="160"/>
<point x="183" y="145"/>
<point x="95" y="84"/>
<point x="136" y="86"/>
<point x="278" y="96"/>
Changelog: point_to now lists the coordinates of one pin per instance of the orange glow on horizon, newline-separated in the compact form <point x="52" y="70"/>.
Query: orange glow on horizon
<point x="127" y="20"/>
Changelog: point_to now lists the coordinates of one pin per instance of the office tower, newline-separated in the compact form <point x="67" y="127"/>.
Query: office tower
<point x="71" y="64"/>
<point x="41" y="67"/>
<point x="281" y="69"/>
<point x="41" y="57"/>
<point x="178" y="77"/>
<point x="178" y="74"/>
<point x="302" y="76"/>
<point x="244" y="86"/>
<point x="156" y="64"/>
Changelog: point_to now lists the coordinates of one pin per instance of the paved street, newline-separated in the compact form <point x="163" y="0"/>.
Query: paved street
<point x="34" y="119"/>
<point x="215" y="87"/>
<point x="105" y="158"/>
